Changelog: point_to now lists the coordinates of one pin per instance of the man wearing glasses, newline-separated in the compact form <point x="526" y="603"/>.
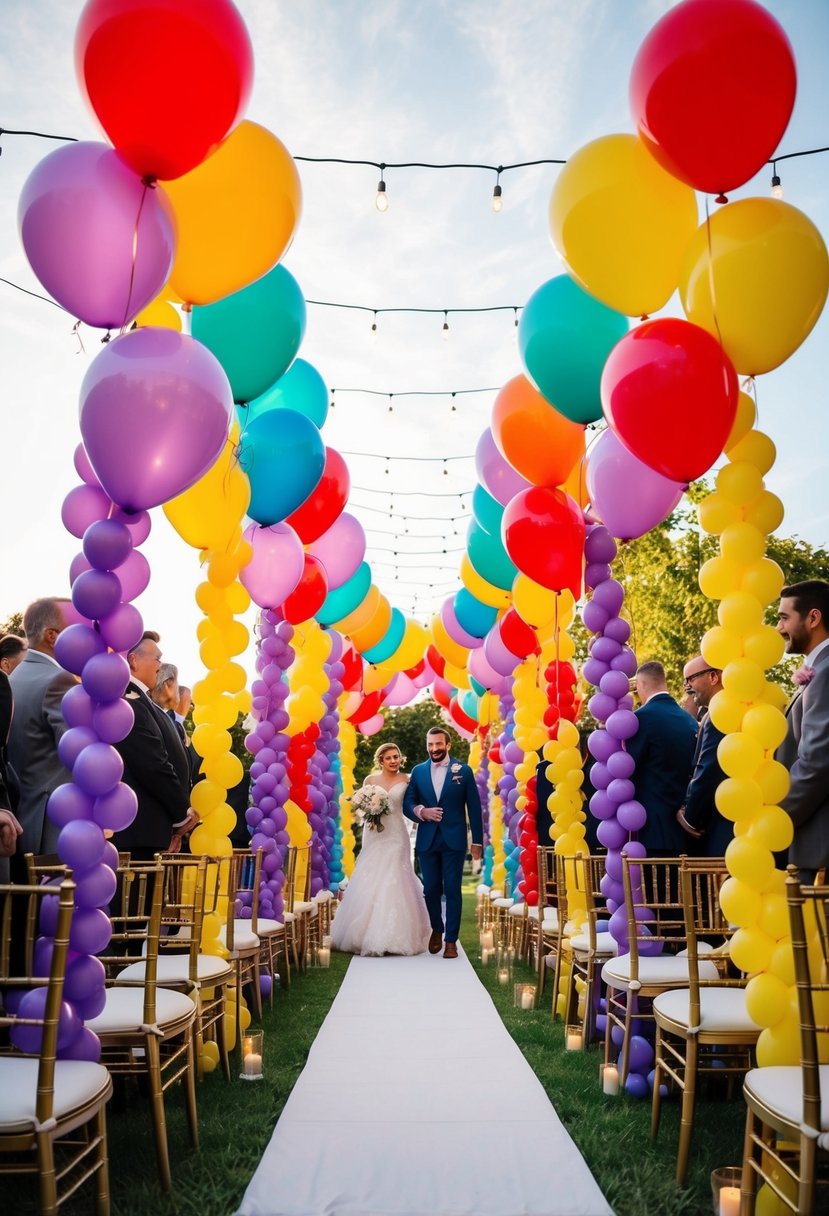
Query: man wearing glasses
<point x="699" y="816"/>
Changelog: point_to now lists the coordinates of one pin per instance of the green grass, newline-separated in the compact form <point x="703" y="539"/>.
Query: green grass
<point x="237" y="1120"/>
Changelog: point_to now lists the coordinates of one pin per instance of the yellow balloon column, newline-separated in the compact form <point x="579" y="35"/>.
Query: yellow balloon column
<point x="749" y="711"/>
<point x="348" y="759"/>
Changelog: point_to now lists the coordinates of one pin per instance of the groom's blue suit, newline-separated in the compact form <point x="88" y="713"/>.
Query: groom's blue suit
<point x="441" y="847"/>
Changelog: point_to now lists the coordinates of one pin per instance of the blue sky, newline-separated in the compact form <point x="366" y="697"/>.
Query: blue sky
<point x="394" y="81"/>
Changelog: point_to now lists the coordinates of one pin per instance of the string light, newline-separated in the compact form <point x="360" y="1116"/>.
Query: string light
<point x="381" y="202"/>
<point x="776" y="187"/>
<point x="497" y="201"/>
<point x="374" y="326"/>
<point x="445" y="326"/>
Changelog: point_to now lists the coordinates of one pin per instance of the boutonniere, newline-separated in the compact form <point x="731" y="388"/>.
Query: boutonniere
<point x="132" y="696"/>
<point x="456" y="768"/>
<point x="803" y="674"/>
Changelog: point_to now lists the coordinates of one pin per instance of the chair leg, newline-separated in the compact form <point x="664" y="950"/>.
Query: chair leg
<point x="48" y="1183"/>
<point x="152" y="1058"/>
<point x="656" y="1097"/>
<point x="540" y="964"/>
<point x="686" y="1117"/>
<point x="190" y="1088"/>
<point x="748" y="1186"/>
<point x="221" y="1036"/>
<point x="624" y="1059"/>
<point x="102" y="1198"/>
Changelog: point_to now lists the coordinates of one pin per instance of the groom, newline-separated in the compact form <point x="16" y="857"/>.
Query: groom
<point x="440" y="794"/>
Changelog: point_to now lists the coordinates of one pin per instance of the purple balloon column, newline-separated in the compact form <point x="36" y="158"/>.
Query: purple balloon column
<point x="97" y="716"/>
<point x="511" y="755"/>
<point x="266" y="817"/>
<point x="482" y="782"/>
<point x="328" y="745"/>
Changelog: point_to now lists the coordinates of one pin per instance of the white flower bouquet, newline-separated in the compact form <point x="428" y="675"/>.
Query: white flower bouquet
<point x="372" y="804"/>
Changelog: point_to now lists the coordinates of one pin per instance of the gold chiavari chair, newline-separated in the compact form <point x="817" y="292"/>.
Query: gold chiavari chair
<point x="272" y="934"/>
<point x="787" y="1124"/>
<point x="299" y="907"/>
<point x="654" y="960"/>
<point x="146" y="1031"/>
<point x="548" y="922"/>
<point x="238" y="935"/>
<point x="587" y="949"/>
<point x="52" y="1112"/>
<point x="702" y="1029"/>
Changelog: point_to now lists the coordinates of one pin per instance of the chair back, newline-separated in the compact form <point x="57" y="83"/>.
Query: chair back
<point x="135" y="916"/>
<point x="549" y="893"/>
<point x="653" y="907"/>
<point x="249" y="876"/>
<point x="589" y="871"/>
<point x="184" y="903"/>
<point x="701" y="879"/>
<point x="809" y="921"/>
<point x="34" y="1031"/>
<point x="301" y="884"/>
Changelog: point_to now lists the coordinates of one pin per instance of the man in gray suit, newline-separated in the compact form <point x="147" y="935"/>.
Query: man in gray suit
<point x="38" y="685"/>
<point x="803" y="620"/>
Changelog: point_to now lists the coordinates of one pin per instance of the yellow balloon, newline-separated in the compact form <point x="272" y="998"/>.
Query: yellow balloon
<point x="458" y="676"/>
<point x="767" y="724"/>
<point x="739" y="755"/>
<point x="765" y="513"/>
<point x="225" y="769"/>
<point x="236" y="214"/>
<point x="493" y="597"/>
<point x="206" y="515"/>
<point x="740" y="902"/>
<point x="773" y="779"/>
<point x="451" y="650"/>
<point x="726" y="712"/>
<point x="375" y="678"/>
<point x="756" y="449"/>
<point x="779" y="1044"/>
<point x="720" y="646"/>
<point x="767" y="999"/>
<point x="740" y="613"/>
<point x="738" y="798"/>
<point x="775" y="695"/>
<point x="763" y="579"/>
<point x="621" y="224"/>
<point x="740" y="482"/>
<point x="744" y="420"/>
<point x="533" y="603"/>
<point x="743" y="542"/>
<point x="299" y="829"/>
<point x="750" y="950"/>
<point x="756" y="276"/>
<point x="764" y="647"/>
<point x="743" y="680"/>
<point x="718" y="577"/>
<point x="160" y="314"/>
<point x="205" y="796"/>
<point x="716" y="513"/>
<point x="749" y="861"/>
<point x="412" y="649"/>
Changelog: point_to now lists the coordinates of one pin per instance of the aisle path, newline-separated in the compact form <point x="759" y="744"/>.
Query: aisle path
<point x="415" y="1101"/>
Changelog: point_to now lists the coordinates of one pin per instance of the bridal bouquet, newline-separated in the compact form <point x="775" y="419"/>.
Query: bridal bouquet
<point x="372" y="803"/>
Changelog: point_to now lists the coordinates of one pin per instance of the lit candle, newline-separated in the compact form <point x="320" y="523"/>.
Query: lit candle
<point x="610" y="1079"/>
<point x="324" y="956"/>
<point x="528" y="997"/>
<point x="503" y="975"/>
<point x="729" y="1201"/>
<point x="487" y="939"/>
<point x="485" y="955"/>
<point x="573" y="1040"/>
<point x="252" y="1064"/>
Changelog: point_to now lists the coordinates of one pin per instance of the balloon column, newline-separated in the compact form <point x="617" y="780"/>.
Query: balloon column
<point x="348" y="758"/>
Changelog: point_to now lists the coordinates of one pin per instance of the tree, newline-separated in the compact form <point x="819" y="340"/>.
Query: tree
<point x="14" y="625"/>
<point x="407" y="728"/>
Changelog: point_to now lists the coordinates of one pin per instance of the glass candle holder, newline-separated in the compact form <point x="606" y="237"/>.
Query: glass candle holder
<point x="487" y="940"/>
<point x="323" y="958"/>
<point x="572" y="1038"/>
<point x="524" y="996"/>
<point x="610" y="1079"/>
<point x="252" y="1050"/>
<point x="725" y="1190"/>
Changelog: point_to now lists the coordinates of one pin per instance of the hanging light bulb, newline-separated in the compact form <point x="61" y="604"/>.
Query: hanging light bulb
<point x="776" y="187"/>
<point x="381" y="202"/>
<point x="497" y="200"/>
<point x="374" y="326"/>
<point x="445" y="327"/>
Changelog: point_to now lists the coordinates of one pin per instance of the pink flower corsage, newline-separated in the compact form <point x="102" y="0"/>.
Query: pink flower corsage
<point x="803" y="674"/>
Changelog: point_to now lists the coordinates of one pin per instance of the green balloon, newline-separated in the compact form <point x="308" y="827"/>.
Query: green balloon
<point x="255" y="333"/>
<point x="301" y="388"/>
<point x="564" y="338"/>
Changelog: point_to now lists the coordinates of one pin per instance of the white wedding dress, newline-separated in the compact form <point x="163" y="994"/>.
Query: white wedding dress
<point x="383" y="910"/>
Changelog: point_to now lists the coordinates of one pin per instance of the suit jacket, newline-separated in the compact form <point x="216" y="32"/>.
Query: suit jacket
<point x="805" y="753"/>
<point x="459" y="798"/>
<point x="38" y="685"/>
<point x="700" y="809"/>
<point x="157" y="768"/>
<point x="663" y="749"/>
<point x="9" y="789"/>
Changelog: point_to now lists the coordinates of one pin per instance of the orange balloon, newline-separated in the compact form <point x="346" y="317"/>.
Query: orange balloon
<point x="236" y="215"/>
<point x="370" y="634"/>
<point x="576" y="483"/>
<point x="538" y="441"/>
<point x="362" y="614"/>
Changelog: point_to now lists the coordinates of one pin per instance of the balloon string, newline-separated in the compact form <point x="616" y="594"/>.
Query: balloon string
<point x="713" y="292"/>
<point x="134" y="255"/>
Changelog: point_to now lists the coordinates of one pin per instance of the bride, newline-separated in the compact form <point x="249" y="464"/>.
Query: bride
<point x="382" y="910"/>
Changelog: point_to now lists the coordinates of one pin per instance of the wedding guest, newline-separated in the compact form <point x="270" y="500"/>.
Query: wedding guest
<point x="803" y="621"/>
<point x="698" y="816"/>
<point x="12" y="652"/>
<point x="10" y="827"/>
<point x="38" y="684"/>
<point x="185" y="700"/>
<point x="663" y="748"/>
<point x="167" y="695"/>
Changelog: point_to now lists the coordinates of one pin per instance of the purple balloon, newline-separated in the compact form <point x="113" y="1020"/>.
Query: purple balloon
<point x="122" y="629"/>
<point x="593" y="671"/>
<point x="97" y="769"/>
<point x="75" y="646"/>
<point x="155" y="413"/>
<point x="139" y="523"/>
<point x="600" y="776"/>
<point x="134" y="575"/>
<point x="456" y="631"/>
<point x="499" y="658"/>
<point x="640" y="1053"/>
<point x="82" y="507"/>
<point x="341" y="549"/>
<point x="105" y="677"/>
<point x="83" y="468"/>
<point x="621" y="764"/>
<point x="625" y="661"/>
<point x="77" y="706"/>
<point x="599" y="545"/>
<point x="116" y="809"/>
<point x="604" y="649"/>
<point x="630" y="497"/>
<point x="611" y="834"/>
<point x="617" y="629"/>
<point x="81" y="844"/>
<point x="620" y="790"/>
<point x="601" y="706"/>
<point x="602" y="807"/>
<point x="91" y="931"/>
<point x="496" y="474"/>
<point x="623" y="724"/>
<point x="614" y="684"/>
<point x="107" y="543"/>
<point x="84" y="976"/>
<point x="632" y="815"/>
<point x="73" y="741"/>
<point x="96" y="887"/>
<point x="611" y="595"/>
<point x="276" y="566"/>
<point x="595" y="573"/>
<point x="68" y="803"/>
<point x="601" y="745"/>
<point x="100" y="240"/>
<point x="595" y="617"/>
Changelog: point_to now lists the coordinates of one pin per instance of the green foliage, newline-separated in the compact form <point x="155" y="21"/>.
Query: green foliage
<point x="407" y="728"/>
<point x="14" y="624"/>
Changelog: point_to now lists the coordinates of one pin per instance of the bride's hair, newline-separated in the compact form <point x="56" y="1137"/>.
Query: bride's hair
<point x="381" y="751"/>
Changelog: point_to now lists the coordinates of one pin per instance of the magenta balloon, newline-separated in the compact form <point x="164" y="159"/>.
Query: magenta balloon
<point x="123" y="628"/>
<point x="83" y="506"/>
<point x="83" y="468"/>
<point x="100" y="240"/>
<point x="630" y="497"/>
<point x="139" y="523"/>
<point x="497" y="655"/>
<point x="113" y="720"/>
<point x="77" y="566"/>
<point x="134" y="575"/>
<point x="276" y="566"/>
<point x="117" y="809"/>
<point x="341" y="549"/>
<point x="75" y="646"/>
<point x="107" y="543"/>
<point x="495" y="474"/>
<point x="155" y="412"/>
<point x="456" y="632"/>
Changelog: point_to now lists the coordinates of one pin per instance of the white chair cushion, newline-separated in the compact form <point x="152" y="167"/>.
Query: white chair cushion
<point x="721" y="1009"/>
<point x="482" y="889"/>
<point x="289" y="917"/>
<point x="175" y="969"/>
<point x="780" y="1088"/>
<point x="654" y="969"/>
<point x="702" y="948"/>
<point x="503" y="902"/>
<point x="606" y="946"/>
<point x="124" y="1010"/>
<point x="265" y="927"/>
<point x="343" y="883"/>
<point x="496" y="892"/>
<point x="243" y="936"/>
<point x="550" y="922"/>
<point x="519" y="910"/>
<point x="305" y="906"/>
<point x="322" y="897"/>
<point x="77" y="1082"/>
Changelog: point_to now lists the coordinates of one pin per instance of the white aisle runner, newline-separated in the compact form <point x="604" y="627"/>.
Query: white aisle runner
<point x="415" y="1101"/>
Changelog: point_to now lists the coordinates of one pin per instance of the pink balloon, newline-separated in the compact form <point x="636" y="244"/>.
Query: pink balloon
<point x="456" y="633"/>
<point x="155" y="414"/>
<point x="499" y="657"/>
<point x="371" y="725"/>
<point x="84" y="505"/>
<point x="134" y="574"/>
<point x="276" y="566"/>
<point x="482" y="670"/>
<point x="100" y="240"/>
<point x="399" y="691"/>
<point x="341" y="549"/>
<point x="425" y="678"/>
<point x="495" y="474"/>
<point x="630" y="497"/>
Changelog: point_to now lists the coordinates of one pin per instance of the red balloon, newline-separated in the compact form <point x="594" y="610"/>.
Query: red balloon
<point x="322" y="507"/>
<point x="353" y="664"/>
<point x="543" y="530"/>
<point x="460" y="719"/>
<point x="441" y="692"/>
<point x="417" y="670"/>
<point x="735" y="61"/>
<point x="167" y="80"/>
<point x="518" y="637"/>
<point x="435" y="660"/>
<point x="368" y="707"/>
<point x="307" y="597"/>
<point x="670" y="393"/>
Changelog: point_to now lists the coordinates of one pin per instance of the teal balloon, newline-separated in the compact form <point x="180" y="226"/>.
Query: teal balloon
<point x="468" y="702"/>
<point x="389" y="642"/>
<point x="489" y="557"/>
<point x="345" y="599"/>
<point x="476" y="687"/>
<point x="283" y="454"/>
<point x="473" y="617"/>
<point x="487" y="511"/>
<point x="301" y="388"/>
<point x="564" y="338"/>
<point x="255" y="333"/>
